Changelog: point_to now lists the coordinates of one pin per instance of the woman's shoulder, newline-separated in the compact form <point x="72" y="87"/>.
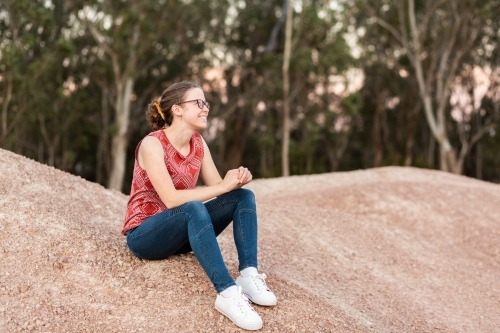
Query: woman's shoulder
<point x="151" y="142"/>
<point x="149" y="146"/>
<point x="158" y="134"/>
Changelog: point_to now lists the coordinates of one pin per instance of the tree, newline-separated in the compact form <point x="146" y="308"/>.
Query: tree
<point x="250" y="115"/>
<point x="285" y="164"/>
<point x="152" y="42"/>
<point x="419" y="30"/>
<point x="33" y="49"/>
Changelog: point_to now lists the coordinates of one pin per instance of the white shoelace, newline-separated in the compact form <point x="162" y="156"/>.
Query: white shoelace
<point x="243" y="302"/>
<point x="260" y="281"/>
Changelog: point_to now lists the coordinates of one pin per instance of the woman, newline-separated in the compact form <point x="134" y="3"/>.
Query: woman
<point x="167" y="214"/>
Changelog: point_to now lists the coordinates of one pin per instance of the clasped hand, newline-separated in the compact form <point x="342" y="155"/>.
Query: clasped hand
<point x="236" y="178"/>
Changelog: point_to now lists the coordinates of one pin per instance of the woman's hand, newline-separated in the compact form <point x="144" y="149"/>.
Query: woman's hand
<point x="236" y="178"/>
<point x="244" y="176"/>
<point x="231" y="181"/>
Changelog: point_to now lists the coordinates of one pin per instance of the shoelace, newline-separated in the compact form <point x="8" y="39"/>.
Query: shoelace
<point x="260" y="281"/>
<point x="243" y="301"/>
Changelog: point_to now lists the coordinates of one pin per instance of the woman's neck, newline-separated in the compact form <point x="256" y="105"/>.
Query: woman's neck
<point x="179" y="137"/>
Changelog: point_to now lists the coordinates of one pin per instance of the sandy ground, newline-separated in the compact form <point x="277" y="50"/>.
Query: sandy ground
<point x="382" y="250"/>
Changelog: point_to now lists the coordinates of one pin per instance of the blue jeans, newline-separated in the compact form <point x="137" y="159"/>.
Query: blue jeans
<point x="194" y="226"/>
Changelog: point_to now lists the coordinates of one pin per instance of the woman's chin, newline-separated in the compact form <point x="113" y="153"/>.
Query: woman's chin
<point x="202" y="126"/>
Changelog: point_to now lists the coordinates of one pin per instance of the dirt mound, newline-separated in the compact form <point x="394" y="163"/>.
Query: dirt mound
<point x="383" y="250"/>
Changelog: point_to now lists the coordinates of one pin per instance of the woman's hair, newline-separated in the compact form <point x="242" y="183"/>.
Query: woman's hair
<point x="159" y="112"/>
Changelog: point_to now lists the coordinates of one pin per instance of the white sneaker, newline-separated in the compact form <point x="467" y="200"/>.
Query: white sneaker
<point x="239" y="311"/>
<point x="255" y="288"/>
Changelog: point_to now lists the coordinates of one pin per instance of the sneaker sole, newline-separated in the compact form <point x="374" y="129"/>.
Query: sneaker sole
<point x="246" y="326"/>
<point x="258" y="301"/>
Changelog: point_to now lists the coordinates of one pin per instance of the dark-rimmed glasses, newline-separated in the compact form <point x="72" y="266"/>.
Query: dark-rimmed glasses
<point x="199" y="102"/>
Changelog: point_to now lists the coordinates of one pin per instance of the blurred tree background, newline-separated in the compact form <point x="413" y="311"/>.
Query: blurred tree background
<point x="371" y="82"/>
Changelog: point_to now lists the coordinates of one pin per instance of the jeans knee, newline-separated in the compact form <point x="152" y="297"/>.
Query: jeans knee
<point x="246" y="195"/>
<point x="197" y="206"/>
<point x="196" y="210"/>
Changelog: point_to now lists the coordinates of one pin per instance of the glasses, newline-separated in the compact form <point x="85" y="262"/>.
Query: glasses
<point x="199" y="102"/>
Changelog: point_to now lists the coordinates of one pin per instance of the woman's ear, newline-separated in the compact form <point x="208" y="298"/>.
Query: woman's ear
<point x="176" y="109"/>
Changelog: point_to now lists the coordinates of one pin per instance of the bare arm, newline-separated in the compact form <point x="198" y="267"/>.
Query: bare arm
<point x="151" y="160"/>
<point x="209" y="172"/>
<point x="211" y="176"/>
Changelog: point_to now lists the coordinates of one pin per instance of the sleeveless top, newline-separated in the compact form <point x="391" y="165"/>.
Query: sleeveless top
<point x="144" y="201"/>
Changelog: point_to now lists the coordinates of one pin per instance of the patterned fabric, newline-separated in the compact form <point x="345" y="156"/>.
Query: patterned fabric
<point x="144" y="201"/>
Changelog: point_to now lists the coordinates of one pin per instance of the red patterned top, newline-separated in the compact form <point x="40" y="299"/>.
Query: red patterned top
<point x="144" y="201"/>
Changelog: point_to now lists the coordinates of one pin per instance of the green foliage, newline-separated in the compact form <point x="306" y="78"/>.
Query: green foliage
<point x="64" y="85"/>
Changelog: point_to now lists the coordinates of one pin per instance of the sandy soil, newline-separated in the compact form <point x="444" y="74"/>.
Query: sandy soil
<point x="382" y="250"/>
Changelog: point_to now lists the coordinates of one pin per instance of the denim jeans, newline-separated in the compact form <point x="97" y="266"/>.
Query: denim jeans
<point x="194" y="226"/>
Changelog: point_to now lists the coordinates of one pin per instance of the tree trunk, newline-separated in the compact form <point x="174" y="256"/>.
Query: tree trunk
<point x="448" y="157"/>
<point x="120" y="139"/>
<point x="377" y="131"/>
<point x="124" y="87"/>
<point x="285" y="164"/>
<point x="124" y="78"/>
<point x="309" y="160"/>
<point x="5" y="105"/>
<point x="233" y="152"/>
<point x="437" y="122"/>
<point x="264" y="169"/>
<point x="431" y="152"/>
<point x="270" y="161"/>
<point x="479" y="161"/>
<point x="335" y="152"/>
<point x="411" y="123"/>
<point x="51" y="144"/>
<point x="103" y="162"/>
<point x="410" y="142"/>
<point x="479" y="148"/>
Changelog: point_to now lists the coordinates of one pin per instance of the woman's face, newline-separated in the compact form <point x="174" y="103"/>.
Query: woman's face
<point x="191" y="112"/>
